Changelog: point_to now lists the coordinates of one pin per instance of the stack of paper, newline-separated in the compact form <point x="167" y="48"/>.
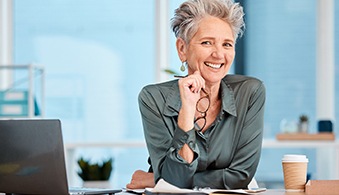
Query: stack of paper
<point x="164" y="187"/>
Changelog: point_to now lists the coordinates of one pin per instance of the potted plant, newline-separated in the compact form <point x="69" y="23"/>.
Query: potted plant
<point x="303" y="123"/>
<point x="95" y="174"/>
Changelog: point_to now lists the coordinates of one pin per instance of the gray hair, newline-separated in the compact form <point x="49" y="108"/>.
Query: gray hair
<point x="188" y="15"/>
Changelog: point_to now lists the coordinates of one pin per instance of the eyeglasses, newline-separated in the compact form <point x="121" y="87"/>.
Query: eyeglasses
<point x="200" y="121"/>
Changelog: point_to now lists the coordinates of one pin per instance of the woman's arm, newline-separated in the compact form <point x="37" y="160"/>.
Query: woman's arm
<point x="164" y="140"/>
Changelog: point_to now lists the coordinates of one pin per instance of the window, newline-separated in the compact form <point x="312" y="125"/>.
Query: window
<point x="280" y="42"/>
<point x="97" y="56"/>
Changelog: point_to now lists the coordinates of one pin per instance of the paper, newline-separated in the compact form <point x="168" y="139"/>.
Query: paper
<point x="164" y="187"/>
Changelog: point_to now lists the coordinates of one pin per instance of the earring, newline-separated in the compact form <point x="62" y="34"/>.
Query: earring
<point x="183" y="67"/>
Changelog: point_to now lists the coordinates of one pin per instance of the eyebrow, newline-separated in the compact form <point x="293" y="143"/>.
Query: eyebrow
<point x="209" y="38"/>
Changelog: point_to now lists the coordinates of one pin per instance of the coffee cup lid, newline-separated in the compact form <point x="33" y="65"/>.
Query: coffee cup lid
<point x="294" y="158"/>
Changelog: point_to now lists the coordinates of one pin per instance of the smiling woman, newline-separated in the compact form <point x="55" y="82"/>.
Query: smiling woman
<point x="223" y="150"/>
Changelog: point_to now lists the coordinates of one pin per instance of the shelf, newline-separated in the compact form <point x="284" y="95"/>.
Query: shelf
<point x="21" y="91"/>
<point x="306" y="136"/>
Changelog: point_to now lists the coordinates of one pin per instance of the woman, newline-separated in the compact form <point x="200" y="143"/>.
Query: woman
<point x="205" y="129"/>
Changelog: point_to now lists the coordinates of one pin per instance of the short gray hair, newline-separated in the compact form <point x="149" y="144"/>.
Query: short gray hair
<point x="188" y="15"/>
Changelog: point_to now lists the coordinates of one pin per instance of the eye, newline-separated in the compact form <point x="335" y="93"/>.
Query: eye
<point x="206" y="43"/>
<point x="227" y="45"/>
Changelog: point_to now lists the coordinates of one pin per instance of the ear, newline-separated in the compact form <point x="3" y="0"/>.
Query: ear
<point x="181" y="49"/>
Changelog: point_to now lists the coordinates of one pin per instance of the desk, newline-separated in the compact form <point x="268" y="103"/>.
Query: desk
<point x="267" y="192"/>
<point x="276" y="192"/>
<point x="279" y="192"/>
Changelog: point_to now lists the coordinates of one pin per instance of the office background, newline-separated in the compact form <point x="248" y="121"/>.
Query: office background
<point x="99" y="54"/>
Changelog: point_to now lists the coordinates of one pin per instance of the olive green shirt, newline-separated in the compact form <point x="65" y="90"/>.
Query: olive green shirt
<point x="226" y="155"/>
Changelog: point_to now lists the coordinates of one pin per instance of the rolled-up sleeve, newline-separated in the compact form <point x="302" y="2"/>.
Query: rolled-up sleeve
<point x="163" y="143"/>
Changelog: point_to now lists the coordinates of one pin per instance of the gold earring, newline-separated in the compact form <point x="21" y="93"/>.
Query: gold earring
<point x="182" y="67"/>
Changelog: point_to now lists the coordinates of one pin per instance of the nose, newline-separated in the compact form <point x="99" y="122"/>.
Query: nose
<point x="217" y="52"/>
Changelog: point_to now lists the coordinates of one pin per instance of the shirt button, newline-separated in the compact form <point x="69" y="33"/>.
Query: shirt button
<point x="190" y="144"/>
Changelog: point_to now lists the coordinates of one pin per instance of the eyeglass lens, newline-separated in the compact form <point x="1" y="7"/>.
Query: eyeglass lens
<point x="202" y="106"/>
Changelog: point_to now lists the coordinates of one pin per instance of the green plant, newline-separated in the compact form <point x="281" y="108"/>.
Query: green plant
<point x="95" y="171"/>
<point x="303" y="118"/>
<point x="170" y="71"/>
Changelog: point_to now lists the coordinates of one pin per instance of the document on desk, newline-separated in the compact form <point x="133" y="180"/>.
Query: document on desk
<point x="163" y="187"/>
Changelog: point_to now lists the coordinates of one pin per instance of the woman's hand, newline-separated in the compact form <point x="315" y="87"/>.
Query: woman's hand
<point x="190" y="88"/>
<point x="141" y="180"/>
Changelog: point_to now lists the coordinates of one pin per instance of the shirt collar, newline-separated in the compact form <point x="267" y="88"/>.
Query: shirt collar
<point x="227" y="96"/>
<point x="173" y="102"/>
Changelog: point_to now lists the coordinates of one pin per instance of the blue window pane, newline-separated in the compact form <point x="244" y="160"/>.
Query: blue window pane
<point x="281" y="51"/>
<point x="97" y="56"/>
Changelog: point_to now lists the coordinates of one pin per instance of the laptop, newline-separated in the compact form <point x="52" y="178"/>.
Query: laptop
<point x="32" y="159"/>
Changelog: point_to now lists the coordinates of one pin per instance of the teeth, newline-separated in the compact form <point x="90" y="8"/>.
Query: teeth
<point x="216" y="66"/>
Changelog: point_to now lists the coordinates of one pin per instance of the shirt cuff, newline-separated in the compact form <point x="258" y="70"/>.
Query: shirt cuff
<point x="181" y="137"/>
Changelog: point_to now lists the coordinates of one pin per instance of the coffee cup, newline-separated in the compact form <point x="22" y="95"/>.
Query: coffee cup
<point x="295" y="172"/>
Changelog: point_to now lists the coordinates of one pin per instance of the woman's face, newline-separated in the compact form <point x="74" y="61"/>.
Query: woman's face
<point x="211" y="50"/>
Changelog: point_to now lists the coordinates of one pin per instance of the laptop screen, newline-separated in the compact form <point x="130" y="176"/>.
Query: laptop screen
<point x="32" y="157"/>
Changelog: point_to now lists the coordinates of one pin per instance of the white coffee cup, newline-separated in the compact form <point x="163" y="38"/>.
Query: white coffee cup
<point x="295" y="172"/>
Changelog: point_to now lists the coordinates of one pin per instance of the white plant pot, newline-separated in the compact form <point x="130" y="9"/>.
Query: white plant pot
<point x="303" y="127"/>
<point x="97" y="184"/>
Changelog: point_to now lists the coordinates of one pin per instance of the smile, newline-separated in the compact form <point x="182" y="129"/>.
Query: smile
<point x="215" y="66"/>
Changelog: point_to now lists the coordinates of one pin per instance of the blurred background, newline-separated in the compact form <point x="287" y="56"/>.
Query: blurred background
<point x="92" y="57"/>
